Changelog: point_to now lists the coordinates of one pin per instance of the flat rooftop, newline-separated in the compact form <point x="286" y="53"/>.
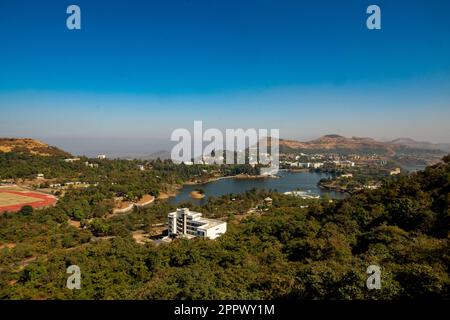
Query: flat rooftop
<point x="210" y="223"/>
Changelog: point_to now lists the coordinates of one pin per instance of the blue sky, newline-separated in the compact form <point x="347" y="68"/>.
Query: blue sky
<point x="139" y="69"/>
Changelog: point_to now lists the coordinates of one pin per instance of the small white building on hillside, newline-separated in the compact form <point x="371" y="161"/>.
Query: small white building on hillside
<point x="191" y="224"/>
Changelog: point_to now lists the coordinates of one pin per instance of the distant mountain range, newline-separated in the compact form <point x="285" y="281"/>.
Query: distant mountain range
<point x="410" y="143"/>
<point x="340" y="144"/>
<point x="163" y="155"/>
<point x="328" y="143"/>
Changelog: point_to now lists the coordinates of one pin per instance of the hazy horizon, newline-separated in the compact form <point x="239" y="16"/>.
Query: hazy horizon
<point x="117" y="147"/>
<point x="137" y="70"/>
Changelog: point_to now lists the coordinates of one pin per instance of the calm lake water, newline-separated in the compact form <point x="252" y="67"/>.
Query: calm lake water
<point x="414" y="168"/>
<point x="288" y="181"/>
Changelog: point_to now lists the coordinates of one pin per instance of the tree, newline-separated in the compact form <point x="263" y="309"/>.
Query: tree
<point x="78" y="213"/>
<point x="99" y="227"/>
<point x="26" y="210"/>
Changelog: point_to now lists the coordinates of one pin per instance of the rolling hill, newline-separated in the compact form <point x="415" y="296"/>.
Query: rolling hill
<point x="340" y="144"/>
<point x="410" y="143"/>
<point x="31" y="147"/>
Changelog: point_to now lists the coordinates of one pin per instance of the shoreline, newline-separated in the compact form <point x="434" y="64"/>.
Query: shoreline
<point x="173" y="193"/>
<point x="177" y="187"/>
<point x="335" y="189"/>
<point x="197" y="195"/>
<point x="239" y="176"/>
<point x="296" y="170"/>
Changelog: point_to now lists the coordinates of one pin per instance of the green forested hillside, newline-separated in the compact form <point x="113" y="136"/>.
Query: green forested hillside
<point x="288" y="251"/>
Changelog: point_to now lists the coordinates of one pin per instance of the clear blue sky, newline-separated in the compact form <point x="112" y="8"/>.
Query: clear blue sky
<point x="139" y="69"/>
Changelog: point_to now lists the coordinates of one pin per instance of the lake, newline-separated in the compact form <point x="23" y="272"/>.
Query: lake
<point x="414" y="167"/>
<point x="288" y="181"/>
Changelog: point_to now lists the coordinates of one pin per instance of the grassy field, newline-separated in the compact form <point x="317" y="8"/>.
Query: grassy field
<point x="13" y="199"/>
<point x="9" y="199"/>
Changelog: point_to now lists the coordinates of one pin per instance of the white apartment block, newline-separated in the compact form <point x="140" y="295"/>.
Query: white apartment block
<point x="190" y="224"/>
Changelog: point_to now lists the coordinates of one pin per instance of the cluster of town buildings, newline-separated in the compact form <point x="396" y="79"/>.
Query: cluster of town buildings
<point x="249" y="158"/>
<point x="71" y="183"/>
<point x="315" y="161"/>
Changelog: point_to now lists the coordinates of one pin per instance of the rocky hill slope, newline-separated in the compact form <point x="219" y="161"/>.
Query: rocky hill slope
<point x="30" y="146"/>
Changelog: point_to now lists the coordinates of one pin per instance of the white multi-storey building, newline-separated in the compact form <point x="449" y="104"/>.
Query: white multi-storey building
<point x="190" y="224"/>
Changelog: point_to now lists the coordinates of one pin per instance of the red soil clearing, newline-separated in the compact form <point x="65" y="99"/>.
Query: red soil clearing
<point x="41" y="200"/>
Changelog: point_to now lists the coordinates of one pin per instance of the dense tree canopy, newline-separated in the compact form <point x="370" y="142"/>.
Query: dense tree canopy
<point x="294" y="249"/>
